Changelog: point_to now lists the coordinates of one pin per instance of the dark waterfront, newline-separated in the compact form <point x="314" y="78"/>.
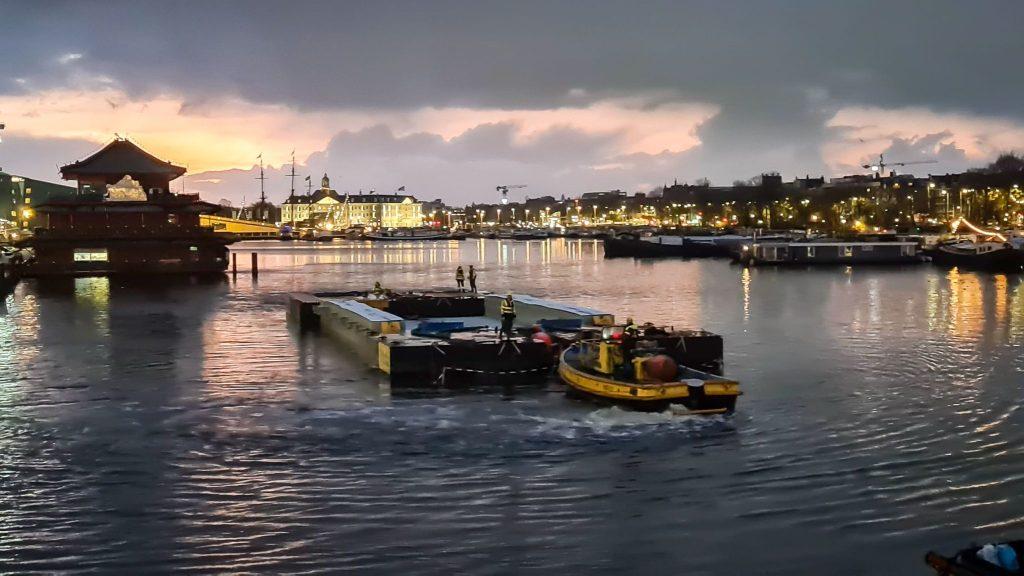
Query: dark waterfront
<point x="183" y="426"/>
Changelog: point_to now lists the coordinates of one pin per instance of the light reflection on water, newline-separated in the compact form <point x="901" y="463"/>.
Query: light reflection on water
<point x="181" y="425"/>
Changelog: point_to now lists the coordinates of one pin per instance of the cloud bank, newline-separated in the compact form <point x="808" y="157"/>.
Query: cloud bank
<point x="453" y="98"/>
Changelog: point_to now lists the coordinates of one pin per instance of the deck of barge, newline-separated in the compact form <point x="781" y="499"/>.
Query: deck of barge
<point x="461" y="332"/>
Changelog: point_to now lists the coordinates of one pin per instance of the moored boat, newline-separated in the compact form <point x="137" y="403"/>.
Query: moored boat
<point x="661" y="246"/>
<point x="529" y="234"/>
<point x="646" y="377"/>
<point x="399" y="234"/>
<point x="830" y="253"/>
<point x="667" y="246"/>
<point x="993" y="256"/>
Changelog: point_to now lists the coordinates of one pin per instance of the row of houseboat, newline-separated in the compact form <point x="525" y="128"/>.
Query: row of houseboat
<point x="982" y="251"/>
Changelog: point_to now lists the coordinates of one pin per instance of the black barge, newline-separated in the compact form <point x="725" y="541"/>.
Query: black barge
<point x="442" y="337"/>
<point x="990" y="256"/>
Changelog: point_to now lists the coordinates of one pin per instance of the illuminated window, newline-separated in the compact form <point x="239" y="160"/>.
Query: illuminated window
<point x="90" y="254"/>
<point x="848" y="251"/>
<point x="810" y="251"/>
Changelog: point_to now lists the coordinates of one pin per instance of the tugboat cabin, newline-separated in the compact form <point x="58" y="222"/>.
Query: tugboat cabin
<point x="124" y="219"/>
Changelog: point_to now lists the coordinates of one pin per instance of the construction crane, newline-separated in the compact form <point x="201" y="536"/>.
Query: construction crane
<point x="504" y="191"/>
<point x="879" y="168"/>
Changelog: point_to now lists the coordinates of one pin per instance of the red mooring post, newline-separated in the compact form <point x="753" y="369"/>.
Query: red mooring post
<point x="255" y="266"/>
<point x="234" y="264"/>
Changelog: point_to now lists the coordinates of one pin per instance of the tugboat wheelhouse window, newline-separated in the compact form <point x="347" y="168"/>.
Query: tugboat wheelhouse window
<point x="847" y="250"/>
<point x="90" y="255"/>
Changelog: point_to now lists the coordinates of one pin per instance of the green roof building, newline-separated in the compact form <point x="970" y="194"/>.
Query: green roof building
<point x="19" y="196"/>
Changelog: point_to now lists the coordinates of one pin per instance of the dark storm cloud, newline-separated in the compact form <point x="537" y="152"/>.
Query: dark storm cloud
<point x="378" y="54"/>
<point x="778" y="70"/>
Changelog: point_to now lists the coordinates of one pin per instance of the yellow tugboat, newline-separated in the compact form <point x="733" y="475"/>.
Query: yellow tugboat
<point x="641" y="374"/>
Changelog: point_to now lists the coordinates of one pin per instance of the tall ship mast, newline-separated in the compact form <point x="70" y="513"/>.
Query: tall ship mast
<point x="261" y="213"/>
<point x="291" y="197"/>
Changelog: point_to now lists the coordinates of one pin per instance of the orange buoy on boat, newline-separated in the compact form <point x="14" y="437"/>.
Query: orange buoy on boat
<point x="660" y="367"/>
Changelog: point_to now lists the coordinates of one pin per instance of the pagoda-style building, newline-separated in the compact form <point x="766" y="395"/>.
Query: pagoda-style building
<point x="125" y="220"/>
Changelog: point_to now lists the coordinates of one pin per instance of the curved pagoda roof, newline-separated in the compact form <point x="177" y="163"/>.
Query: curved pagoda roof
<point x="118" y="158"/>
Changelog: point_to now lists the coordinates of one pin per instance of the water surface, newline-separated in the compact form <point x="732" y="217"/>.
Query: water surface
<point x="183" y="426"/>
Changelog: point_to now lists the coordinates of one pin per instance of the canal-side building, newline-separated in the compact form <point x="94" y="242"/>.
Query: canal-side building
<point x="19" y="197"/>
<point x="125" y="220"/>
<point x="311" y="209"/>
<point x="327" y="208"/>
<point x="382" y="210"/>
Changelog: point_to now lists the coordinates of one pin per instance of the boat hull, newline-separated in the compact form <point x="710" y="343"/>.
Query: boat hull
<point x="130" y="256"/>
<point x="637" y="248"/>
<point x="715" y="396"/>
<point x="1005" y="260"/>
<point x="378" y="238"/>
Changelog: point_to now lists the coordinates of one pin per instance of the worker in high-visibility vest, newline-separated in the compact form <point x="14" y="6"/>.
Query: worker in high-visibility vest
<point x="631" y="329"/>
<point x="508" y="316"/>
<point x="629" y="337"/>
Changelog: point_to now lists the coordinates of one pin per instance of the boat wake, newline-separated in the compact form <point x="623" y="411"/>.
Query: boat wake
<point x="616" y="420"/>
<point x="517" y="425"/>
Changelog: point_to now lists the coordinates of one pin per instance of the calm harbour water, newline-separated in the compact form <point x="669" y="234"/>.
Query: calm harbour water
<point x="184" y="427"/>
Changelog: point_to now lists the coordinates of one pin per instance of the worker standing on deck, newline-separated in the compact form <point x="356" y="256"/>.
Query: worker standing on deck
<point x="460" y="279"/>
<point x="631" y="330"/>
<point x="629" y="337"/>
<point x="472" y="278"/>
<point x="508" y="316"/>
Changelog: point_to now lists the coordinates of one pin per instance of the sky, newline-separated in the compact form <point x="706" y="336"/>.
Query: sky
<point x="451" y="99"/>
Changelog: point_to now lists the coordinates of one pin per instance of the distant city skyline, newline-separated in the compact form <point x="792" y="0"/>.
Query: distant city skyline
<point x="451" y="99"/>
